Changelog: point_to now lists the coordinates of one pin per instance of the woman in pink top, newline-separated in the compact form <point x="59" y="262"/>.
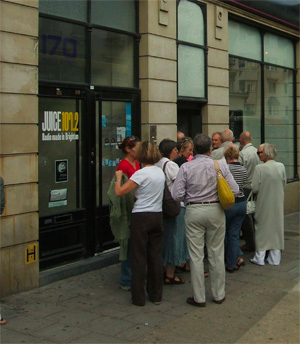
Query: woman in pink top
<point x="129" y="165"/>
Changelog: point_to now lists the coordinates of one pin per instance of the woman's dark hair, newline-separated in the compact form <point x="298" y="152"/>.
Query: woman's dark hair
<point x="166" y="146"/>
<point x="147" y="153"/>
<point x="130" y="142"/>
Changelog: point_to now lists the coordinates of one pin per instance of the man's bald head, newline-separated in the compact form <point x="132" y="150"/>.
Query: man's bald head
<point x="227" y="135"/>
<point x="245" y="138"/>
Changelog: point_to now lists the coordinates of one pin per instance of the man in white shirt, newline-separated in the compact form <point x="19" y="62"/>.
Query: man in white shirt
<point x="249" y="159"/>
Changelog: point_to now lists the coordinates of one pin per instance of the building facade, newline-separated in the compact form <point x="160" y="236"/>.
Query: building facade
<point x="79" y="76"/>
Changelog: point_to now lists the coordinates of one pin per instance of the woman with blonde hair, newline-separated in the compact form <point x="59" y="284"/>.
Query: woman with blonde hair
<point x="235" y="215"/>
<point x="146" y="229"/>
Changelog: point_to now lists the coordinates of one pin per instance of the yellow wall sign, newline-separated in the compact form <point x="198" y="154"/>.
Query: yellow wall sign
<point x="31" y="253"/>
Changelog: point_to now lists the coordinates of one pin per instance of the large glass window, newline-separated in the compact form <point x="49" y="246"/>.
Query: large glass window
<point x="191" y="51"/>
<point x="244" y="97"/>
<point x="249" y="90"/>
<point x="98" y="50"/>
<point x="244" y="41"/>
<point x="279" y="114"/>
<point x="76" y="10"/>
<point x="61" y="51"/>
<point x="112" y="59"/>
<point x="117" y="14"/>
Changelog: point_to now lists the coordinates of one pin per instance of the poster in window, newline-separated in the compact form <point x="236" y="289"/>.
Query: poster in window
<point x="61" y="171"/>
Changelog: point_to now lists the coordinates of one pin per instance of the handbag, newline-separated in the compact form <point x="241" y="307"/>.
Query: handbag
<point x="251" y="204"/>
<point x="226" y="195"/>
<point x="170" y="207"/>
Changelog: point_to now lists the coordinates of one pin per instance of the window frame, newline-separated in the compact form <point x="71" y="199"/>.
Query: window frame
<point x="263" y="65"/>
<point x="204" y="48"/>
<point x="88" y="29"/>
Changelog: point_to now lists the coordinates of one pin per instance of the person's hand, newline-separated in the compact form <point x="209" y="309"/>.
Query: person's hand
<point x="118" y="175"/>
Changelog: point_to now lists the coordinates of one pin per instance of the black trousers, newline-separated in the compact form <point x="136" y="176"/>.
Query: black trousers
<point x="146" y="232"/>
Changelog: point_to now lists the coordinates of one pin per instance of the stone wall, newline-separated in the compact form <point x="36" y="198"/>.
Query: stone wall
<point x="158" y="71"/>
<point x="19" y="144"/>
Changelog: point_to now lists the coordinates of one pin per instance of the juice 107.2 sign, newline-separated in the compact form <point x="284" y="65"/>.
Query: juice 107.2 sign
<point x="60" y="126"/>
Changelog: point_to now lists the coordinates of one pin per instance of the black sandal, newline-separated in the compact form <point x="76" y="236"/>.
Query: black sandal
<point x="173" y="280"/>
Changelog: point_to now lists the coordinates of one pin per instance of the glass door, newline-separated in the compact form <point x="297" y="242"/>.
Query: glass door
<point x="62" y="200"/>
<point x="115" y="120"/>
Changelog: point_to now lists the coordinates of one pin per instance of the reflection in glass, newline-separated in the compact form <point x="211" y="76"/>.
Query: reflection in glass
<point x="116" y="125"/>
<point x="244" y="98"/>
<point x="279" y="114"/>
<point x="191" y="79"/>
<point x="112" y="59"/>
<point x="61" y="51"/>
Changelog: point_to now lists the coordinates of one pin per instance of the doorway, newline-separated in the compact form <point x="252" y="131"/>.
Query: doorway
<point x="79" y="133"/>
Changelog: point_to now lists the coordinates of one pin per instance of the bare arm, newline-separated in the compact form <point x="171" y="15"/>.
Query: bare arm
<point x="124" y="189"/>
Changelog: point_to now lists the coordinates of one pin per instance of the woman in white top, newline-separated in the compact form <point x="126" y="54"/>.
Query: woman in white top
<point x="175" y="251"/>
<point x="146" y="229"/>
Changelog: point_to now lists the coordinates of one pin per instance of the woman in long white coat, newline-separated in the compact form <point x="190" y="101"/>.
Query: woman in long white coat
<point x="268" y="183"/>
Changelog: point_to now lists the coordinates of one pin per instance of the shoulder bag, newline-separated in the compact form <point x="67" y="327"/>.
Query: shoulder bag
<point x="170" y="207"/>
<point x="226" y="195"/>
<point x="251" y="204"/>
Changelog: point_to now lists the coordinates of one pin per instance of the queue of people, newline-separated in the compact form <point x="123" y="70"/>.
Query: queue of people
<point x="159" y="246"/>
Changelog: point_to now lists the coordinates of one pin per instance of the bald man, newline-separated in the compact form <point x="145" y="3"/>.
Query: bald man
<point x="249" y="159"/>
<point x="180" y="135"/>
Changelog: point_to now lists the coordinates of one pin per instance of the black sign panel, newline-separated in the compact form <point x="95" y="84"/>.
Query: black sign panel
<point x="61" y="171"/>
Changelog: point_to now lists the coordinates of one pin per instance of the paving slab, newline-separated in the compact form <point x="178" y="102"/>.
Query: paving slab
<point x="262" y="306"/>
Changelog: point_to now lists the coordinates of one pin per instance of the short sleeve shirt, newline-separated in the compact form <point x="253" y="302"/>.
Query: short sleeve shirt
<point x="149" y="193"/>
<point x="126" y="167"/>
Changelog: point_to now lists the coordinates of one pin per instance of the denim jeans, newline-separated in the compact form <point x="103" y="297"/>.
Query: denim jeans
<point x="126" y="269"/>
<point x="234" y="220"/>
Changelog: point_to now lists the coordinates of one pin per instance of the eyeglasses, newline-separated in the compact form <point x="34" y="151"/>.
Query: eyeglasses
<point x="259" y="153"/>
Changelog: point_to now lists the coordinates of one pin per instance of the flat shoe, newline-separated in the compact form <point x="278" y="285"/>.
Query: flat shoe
<point x="252" y="261"/>
<point x="173" y="280"/>
<point x="231" y="270"/>
<point x="191" y="301"/>
<point x="218" y="302"/>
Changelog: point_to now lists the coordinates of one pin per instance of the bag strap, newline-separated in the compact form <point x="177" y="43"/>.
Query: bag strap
<point x="217" y="166"/>
<point x="164" y="167"/>
<point x="250" y="197"/>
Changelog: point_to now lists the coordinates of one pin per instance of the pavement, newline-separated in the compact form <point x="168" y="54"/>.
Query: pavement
<point x="261" y="306"/>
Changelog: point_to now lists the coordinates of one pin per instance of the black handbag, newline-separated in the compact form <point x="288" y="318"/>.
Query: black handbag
<point x="170" y="207"/>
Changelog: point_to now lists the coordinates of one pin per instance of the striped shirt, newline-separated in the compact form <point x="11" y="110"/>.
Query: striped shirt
<point x="239" y="173"/>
